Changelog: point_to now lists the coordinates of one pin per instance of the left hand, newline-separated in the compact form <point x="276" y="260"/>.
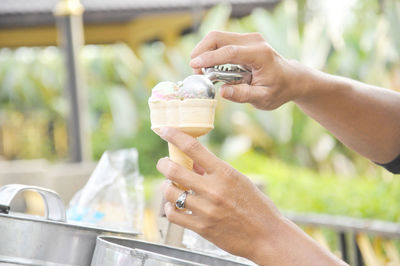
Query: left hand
<point x="227" y="208"/>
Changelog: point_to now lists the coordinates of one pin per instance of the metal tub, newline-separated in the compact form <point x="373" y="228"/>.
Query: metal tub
<point x="45" y="241"/>
<point x="117" y="251"/>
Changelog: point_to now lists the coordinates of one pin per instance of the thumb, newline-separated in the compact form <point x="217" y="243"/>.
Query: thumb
<point x="242" y="93"/>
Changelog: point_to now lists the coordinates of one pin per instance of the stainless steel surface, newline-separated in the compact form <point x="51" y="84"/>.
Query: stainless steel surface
<point x="199" y="84"/>
<point x="116" y="251"/>
<point x="32" y="240"/>
<point x="54" y="206"/>
<point x="229" y="74"/>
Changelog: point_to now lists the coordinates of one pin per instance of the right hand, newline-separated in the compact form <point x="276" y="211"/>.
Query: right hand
<point x="276" y="80"/>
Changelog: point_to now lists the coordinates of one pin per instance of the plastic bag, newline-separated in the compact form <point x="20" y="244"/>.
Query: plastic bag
<point x="113" y="196"/>
<point x="195" y="242"/>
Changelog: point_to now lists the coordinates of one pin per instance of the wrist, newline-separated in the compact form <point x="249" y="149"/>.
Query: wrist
<point x="266" y="248"/>
<point x="306" y="82"/>
<point x="289" y="245"/>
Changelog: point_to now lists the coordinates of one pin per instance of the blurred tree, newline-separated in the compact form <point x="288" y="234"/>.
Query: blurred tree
<point x="358" y="40"/>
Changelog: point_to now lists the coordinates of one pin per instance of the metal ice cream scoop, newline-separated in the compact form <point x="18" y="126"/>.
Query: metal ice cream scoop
<point x="230" y="74"/>
<point x="203" y="84"/>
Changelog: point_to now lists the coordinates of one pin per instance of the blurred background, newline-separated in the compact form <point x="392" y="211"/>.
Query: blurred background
<point x="132" y="45"/>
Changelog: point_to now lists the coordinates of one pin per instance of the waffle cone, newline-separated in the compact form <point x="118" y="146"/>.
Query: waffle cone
<point x="176" y="155"/>
<point x="193" y="116"/>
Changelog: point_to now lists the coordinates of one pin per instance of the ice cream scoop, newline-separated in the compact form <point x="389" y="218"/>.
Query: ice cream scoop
<point x="197" y="86"/>
<point x="203" y="84"/>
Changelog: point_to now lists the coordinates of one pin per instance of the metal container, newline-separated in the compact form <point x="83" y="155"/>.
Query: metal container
<point x="49" y="240"/>
<point x="117" y="251"/>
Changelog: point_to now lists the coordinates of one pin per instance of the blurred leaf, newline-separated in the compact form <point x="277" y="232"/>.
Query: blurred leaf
<point x="393" y="14"/>
<point x="302" y="190"/>
<point x="119" y="84"/>
<point x="315" y="45"/>
<point x="215" y="19"/>
<point x="124" y="113"/>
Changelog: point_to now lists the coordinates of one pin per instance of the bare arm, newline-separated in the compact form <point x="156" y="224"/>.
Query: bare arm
<point x="364" y="117"/>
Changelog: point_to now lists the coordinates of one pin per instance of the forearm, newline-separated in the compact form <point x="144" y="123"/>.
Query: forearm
<point x="291" y="246"/>
<point x="363" y="117"/>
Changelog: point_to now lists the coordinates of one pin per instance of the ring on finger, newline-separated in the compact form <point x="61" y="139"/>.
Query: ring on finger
<point x="180" y="201"/>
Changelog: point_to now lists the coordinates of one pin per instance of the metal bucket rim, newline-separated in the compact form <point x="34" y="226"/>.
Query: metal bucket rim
<point x="98" y="230"/>
<point x="107" y="242"/>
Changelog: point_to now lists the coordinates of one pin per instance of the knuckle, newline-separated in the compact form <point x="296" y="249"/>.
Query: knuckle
<point x="191" y="145"/>
<point x="256" y="36"/>
<point x="265" y="49"/>
<point x="168" y="192"/>
<point x="265" y="96"/>
<point x="213" y="35"/>
<point x="212" y="213"/>
<point x="227" y="171"/>
<point x="217" y="199"/>
<point x="171" y="170"/>
<point x="231" y="51"/>
<point x="244" y="95"/>
<point x="203" y="228"/>
<point x="171" y="215"/>
<point x="199" y="228"/>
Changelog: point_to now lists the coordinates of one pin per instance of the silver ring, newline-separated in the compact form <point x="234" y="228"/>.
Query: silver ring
<point x="180" y="202"/>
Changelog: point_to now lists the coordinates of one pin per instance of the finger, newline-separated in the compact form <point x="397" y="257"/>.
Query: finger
<point x="229" y="54"/>
<point x="191" y="147"/>
<point x="171" y="193"/>
<point x="180" y="218"/>
<point x="244" y="93"/>
<point x="217" y="39"/>
<point x="197" y="71"/>
<point x="180" y="174"/>
<point x="198" y="169"/>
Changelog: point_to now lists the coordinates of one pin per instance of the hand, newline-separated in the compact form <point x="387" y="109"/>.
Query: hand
<point x="227" y="208"/>
<point x="275" y="79"/>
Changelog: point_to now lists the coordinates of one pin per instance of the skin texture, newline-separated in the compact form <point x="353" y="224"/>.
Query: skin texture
<point x="227" y="208"/>
<point x="349" y="109"/>
<point x="230" y="211"/>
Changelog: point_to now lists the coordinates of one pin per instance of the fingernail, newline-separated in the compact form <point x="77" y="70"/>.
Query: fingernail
<point x="160" y="161"/>
<point x="164" y="185"/>
<point x="228" y="92"/>
<point x="196" y="62"/>
<point x="167" y="207"/>
<point x="163" y="131"/>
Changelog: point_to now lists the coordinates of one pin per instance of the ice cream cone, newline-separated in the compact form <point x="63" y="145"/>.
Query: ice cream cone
<point x="176" y="155"/>
<point x="193" y="116"/>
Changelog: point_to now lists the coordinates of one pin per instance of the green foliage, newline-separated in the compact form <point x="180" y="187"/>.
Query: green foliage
<point x="306" y="168"/>
<point x="303" y="190"/>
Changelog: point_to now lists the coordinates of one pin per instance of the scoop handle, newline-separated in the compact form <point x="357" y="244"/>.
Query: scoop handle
<point x="228" y="77"/>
